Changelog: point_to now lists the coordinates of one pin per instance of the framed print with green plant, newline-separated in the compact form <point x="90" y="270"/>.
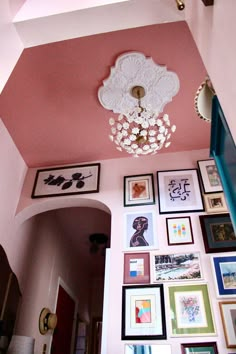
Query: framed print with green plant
<point x="139" y="190"/>
<point x="143" y="312"/>
<point x="179" y="191"/>
<point x="179" y="231"/>
<point x="228" y="316"/>
<point x="191" y="313"/>
<point x="224" y="274"/>
<point x="199" y="348"/>
<point x="209" y="176"/>
<point x="137" y="268"/>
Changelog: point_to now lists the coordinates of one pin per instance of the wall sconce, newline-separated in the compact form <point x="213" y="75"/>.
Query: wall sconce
<point x="47" y="321"/>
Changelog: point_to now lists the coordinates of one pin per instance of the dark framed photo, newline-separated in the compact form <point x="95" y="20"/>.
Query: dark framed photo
<point x="228" y="316"/>
<point x="139" y="190"/>
<point x="218" y="233"/>
<point x="209" y="176"/>
<point x="200" y="348"/>
<point x="179" y="191"/>
<point x="179" y="231"/>
<point x="215" y="203"/>
<point x="137" y="268"/>
<point x="143" y="312"/>
<point x="66" y="180"/>
<point x="224" y="274"/>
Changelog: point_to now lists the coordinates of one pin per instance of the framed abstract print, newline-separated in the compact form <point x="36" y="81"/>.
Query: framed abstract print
<point x="179" y="231"/>
<point x="139" y="190"/>
<point x="191" y="313"/>
<point x="179" y="191"/>
<point x="199" y="348"/>
<point x="137" y="268"/>
<point x="215" y="203"/>
<point x="209" y="176"/>
<point x="228" y="316"/>
<point x="224" y="273"/>
<point x="218" y="233"/>
<point x="143" y="312"/>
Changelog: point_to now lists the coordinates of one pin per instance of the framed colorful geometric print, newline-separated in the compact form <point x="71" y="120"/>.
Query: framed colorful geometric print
<point x="136" y="268"/>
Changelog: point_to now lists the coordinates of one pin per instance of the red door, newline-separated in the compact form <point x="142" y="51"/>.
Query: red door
<point x="62" y="336"/>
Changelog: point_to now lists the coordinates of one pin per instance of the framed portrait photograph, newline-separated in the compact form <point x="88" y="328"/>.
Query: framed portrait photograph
<point x="228" y="316"/>
<point x="209" y="176"/>
<point x="179" y="191"/>
<point x="215" y="203"/>
<point x="139" y="190"/>
<point x="176" y="267"/>
<point x="179" y="231"/>
<point x="147" y="349"/>
<point x="199" y="348"/>
<point x="218" y="233"/>
<point x="191" y="313"/>
<point x="140" y="231"/>
<point x="143" y="312"/>
<point x="66" y="180"/>
<point x="224" y="273"/>
<point x="137" y="268"/>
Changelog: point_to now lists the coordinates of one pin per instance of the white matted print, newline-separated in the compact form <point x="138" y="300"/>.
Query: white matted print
<point x="209" y="176"/>
<point x="148" y="348"/>
<point x="140" y="231"/>
<point x="179" y="230"/>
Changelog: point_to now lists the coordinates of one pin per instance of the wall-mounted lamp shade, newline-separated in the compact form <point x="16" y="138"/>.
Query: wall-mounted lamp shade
<point x="21" y="345"/>
<point x="203" y="100"/>
<point x="47" y="320"/>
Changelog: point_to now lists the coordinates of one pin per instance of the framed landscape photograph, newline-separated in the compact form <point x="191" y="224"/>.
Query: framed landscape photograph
<point x="139" y="190"/>
<point x="137" y="268"/>
<point x="143" y="312"/>
<point x="209" y="176"/>
<point x="191" y="313"/>
<point x="179" y="191"/>
<point x="228" y="316"/>
<point x="66" y="180"/>
<point x="147" y="349"/>
<point x="218" y="233"/>
<point x="140" y="231"/>
<point x="176" y="267"/>
<point x="215" y="203"/>
<point x="224" y="272"/>
<point x="179" y="231"/>
<point x="199" y="348"/>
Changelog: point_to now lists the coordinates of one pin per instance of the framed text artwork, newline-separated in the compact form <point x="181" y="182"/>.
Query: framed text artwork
<point x="228" y="316"/>
<point x="179" y="231"/>
<point x="209" y="176"/>
<point x="224" y="274"/>
<point x="139" y="190"/>
<point x="179" y="191"/>
<point x="136" y="268"/>
<point x="143" y="312"/>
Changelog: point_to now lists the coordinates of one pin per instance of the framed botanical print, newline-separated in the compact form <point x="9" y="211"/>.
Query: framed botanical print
<point x="179" y="191"/>
<point x="139" y="190"/>
<point x="228" y="316"/>
<point x="143" y="312"/>
<point x="224" y="273"/>
<point x="199" y="348"/>
<point x="209" y="176"/>
<point x="215" y="203"/>
<point x="179" y="231"/>
<point x="137" y="268"/>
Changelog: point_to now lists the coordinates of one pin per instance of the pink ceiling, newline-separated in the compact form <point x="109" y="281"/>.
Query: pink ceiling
<point x="50" y="106"/>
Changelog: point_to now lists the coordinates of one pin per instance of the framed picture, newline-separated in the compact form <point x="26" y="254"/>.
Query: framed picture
<point x="143" y="312"/>
<point x="228" y="316"/>
<point x="140" y="231"/>
<point x="179" y="231"/>
<point x="176" y="267"/>
<point x="224" y="272"/>
<point x="200" y="348"/>
<point x="139" y="190"/>
<point x="215" y="203"/>
<point x="209" y="176"/>
<point x="147" y="349"/>
<point x="179" y="191"/>
<point x="136" y="268"/>
<point x="191" y="313"/>
<point x="218" y="233"/>
<point x="66" y="180"/>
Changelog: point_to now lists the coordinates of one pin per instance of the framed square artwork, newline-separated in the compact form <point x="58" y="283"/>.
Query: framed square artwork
<point x="179" y="231"/>
<point x="199" y="348"/>
<point x="139" y="190"/>
<point x="224" y="273"/>
<point x="209" y="176"/>
<point x="179" y="191"/>
<point x="218" y="233"/>
<point x="143" y="312"/>
<point x="140" y="231"/>
<point x="191" y="313"/>
<point x="215" y="203"/>
<point x="228" y="316"/>
<point x="137" y="268"/>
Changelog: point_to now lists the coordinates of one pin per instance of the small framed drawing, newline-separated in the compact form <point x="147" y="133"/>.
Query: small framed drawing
<point x="228" y="316"/>
<point x="66" y="180"/>
<point x="209" y="176"/>
<point x="147" y="348"/>
<point x="191" y="313"/>
<point x="199" y="348"/>
<point x="139" y="190"/>
<point x="140" y="231"/>
<point x="143" y="312"/>
<point x="215" y="203"/>
<point x="137" y="268"/>
<point x="176" y="267"/>
<point x="179" y="231"/>
<point x="218" y="233"/>
<point x="179" y="191"/>
<point x="224" y="272"/>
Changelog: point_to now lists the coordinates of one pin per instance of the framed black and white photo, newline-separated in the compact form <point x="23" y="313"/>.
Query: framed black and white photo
<point x="179" y="191"/>
<point x="139" y="190"/>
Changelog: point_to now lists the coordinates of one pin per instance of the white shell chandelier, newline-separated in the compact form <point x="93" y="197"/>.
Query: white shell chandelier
<point x="138" y="89"/>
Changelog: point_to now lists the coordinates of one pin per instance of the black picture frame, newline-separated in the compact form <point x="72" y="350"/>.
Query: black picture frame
<point x="139" y="190"/>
